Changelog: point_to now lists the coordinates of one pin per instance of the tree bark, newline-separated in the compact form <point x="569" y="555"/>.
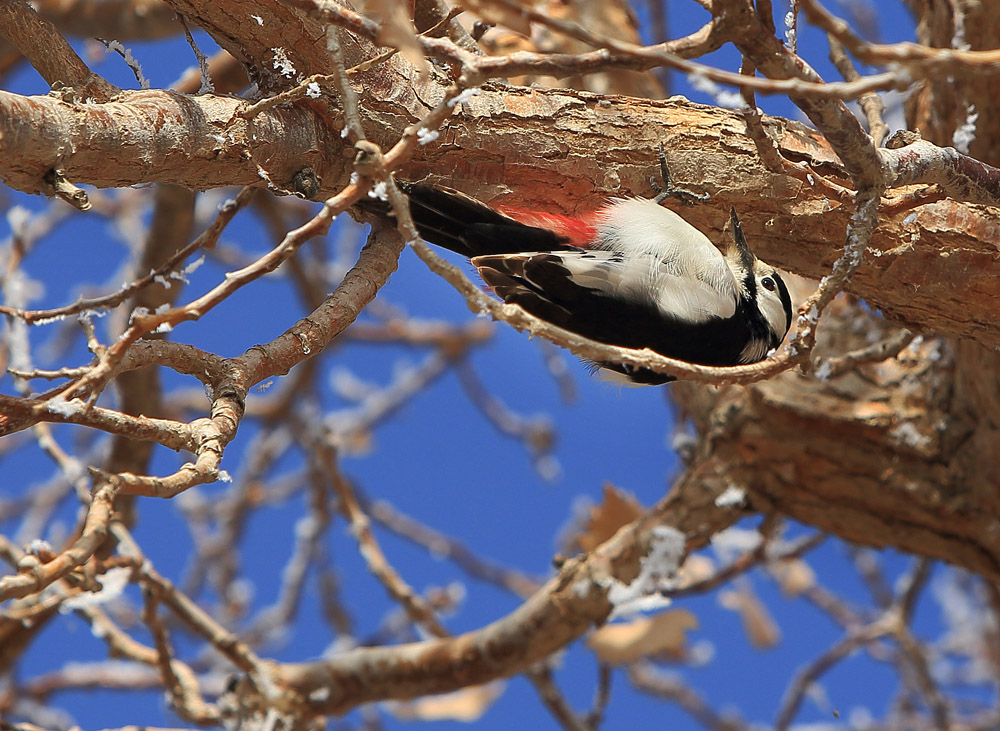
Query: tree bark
<point x="902" y="454"/>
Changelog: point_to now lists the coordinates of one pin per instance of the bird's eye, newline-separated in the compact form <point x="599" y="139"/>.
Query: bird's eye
<point x="768" y="283"/>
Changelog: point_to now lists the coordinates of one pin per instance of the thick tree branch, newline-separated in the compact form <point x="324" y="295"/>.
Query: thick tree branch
<point x="559" y="612"/>
<point x="160" y="136"/>
<point x="39" y="41"/>
<point x="201" y="142"/>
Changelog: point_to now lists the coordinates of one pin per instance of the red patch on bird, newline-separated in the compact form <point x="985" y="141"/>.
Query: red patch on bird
<point x="579" y="232"/>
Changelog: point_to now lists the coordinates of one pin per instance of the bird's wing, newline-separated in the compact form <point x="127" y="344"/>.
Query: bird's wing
<point x="591" y="293"/>
<point x="570" y="284"/>
<point x="640" y="226"/>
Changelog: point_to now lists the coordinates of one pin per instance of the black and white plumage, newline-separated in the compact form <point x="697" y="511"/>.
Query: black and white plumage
<point x="632" y="274"/>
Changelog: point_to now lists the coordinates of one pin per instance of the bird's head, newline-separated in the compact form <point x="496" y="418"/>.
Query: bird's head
<point x="760" y="284"/>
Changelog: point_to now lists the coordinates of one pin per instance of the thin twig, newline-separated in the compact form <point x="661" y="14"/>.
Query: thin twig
<point x="871" y="103"/>
<point x="553" y="699"/>
<point x="438" y="544"/>
<point x="843" y="648"/>
<point x="163" y="273"/>
<point x="368" y="546"/>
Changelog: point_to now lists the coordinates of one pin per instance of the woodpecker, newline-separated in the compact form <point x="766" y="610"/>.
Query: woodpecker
<point x="631" y="273"/>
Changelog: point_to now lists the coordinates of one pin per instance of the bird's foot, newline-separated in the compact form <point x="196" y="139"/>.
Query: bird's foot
<point x="669" y="190"/>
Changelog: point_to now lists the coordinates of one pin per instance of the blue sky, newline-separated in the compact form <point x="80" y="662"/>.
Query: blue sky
<point x="440" y="461"/>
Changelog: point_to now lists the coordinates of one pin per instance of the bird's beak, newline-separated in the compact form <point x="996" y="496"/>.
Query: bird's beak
<point x="746" y="256"/>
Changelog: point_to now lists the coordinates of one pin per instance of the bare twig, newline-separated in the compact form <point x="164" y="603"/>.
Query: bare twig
<point x="854" y="640"/>
<point x="874" y="353"/>
<point x="439" y="544"/>
<point x="647" y="678"/>
<point x="39" y="41"/>
<point x="370" y="550"/>
<point x="871" y="104"/>
<point x="164" y="273"/>
<point x="33" y="575"/>
<point x="553" y="699"/>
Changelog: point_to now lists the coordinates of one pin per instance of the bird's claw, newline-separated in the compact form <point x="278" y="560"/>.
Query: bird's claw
<point x="669" y="190"/>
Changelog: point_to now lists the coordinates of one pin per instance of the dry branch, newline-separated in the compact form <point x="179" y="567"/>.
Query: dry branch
<point x="559" y="612"/>
<point x="202" y="142"/>
<point x="884" y="443"/>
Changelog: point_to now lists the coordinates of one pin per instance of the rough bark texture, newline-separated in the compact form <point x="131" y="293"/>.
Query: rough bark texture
<point x="903" y="453"/>
<point x="895" y="455"/>
<point x="938" y="108"/>
<point x="939" y="270"/>
<point x="899" y="453"/>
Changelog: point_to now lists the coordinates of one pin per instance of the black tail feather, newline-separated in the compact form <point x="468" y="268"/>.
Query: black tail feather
<point x="462" y="224"/>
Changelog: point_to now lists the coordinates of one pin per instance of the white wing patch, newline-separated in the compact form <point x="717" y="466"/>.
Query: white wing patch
<point x="633" y="226"/>
<point x="645" y="279"/>
<point x="754" y="351"/>
<point x="615" y="378"/>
